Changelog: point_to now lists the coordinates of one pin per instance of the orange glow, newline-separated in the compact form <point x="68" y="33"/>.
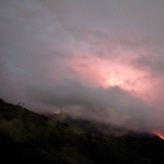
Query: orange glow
<point x="110" y="73"/>
<point x="126" y="78"/>
<point x="115" y="79"/>
<point x="160" y="135"/>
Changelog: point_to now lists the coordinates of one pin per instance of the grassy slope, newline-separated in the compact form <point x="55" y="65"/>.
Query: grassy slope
<point x="28" y="137"/>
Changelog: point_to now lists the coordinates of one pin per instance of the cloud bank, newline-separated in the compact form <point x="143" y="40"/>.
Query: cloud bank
<point x="112" y="106"/>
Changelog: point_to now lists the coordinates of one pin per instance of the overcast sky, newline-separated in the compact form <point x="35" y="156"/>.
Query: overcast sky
<point x="96" y="59"/>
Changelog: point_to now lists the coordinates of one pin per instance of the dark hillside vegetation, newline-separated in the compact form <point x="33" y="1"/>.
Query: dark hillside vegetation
<point x="27" y="137"/>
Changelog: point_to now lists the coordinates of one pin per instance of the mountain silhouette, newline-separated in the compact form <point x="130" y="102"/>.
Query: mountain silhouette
<point x="28" y="137"/>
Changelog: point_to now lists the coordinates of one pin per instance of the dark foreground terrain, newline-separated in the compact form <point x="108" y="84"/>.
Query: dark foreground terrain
<point x="27" y="137"/>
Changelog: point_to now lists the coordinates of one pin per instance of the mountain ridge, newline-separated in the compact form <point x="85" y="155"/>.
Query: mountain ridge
<point x="28" y="137"/>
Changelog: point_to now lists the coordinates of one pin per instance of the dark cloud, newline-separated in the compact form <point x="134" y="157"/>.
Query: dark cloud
<point x="153" y="63"/>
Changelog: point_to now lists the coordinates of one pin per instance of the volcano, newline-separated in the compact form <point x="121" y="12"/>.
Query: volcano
<point x="28" y="137"/>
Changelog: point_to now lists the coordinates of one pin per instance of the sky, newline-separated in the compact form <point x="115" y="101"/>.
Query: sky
<point x="101" y="60"/>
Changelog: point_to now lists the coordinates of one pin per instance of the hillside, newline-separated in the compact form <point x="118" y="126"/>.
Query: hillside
<point x="28" y="137"/>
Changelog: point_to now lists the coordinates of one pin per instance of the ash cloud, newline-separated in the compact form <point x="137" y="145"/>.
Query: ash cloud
<point x="111" y="105"/>
<point x="50" y="52"/>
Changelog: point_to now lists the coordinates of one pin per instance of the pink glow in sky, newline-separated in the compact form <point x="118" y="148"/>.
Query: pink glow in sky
<point x="100" y="59"/>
